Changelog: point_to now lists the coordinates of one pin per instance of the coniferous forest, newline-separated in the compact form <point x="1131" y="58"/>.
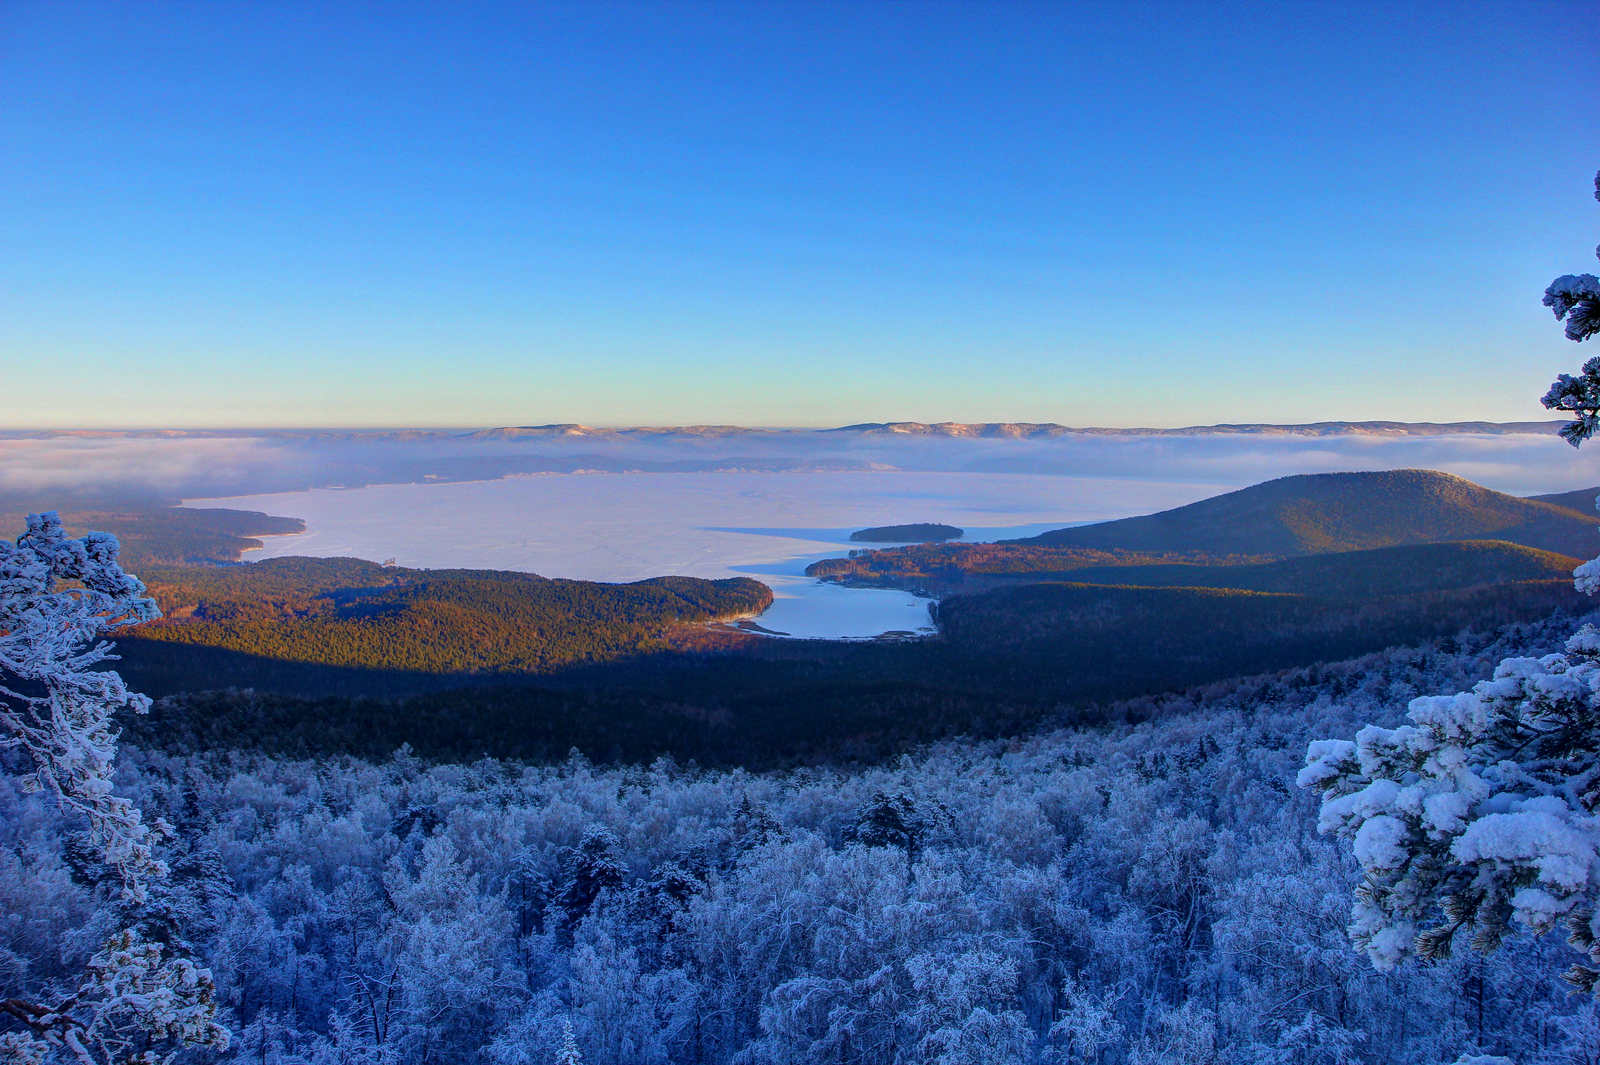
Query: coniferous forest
<point x="1151" y="888"/>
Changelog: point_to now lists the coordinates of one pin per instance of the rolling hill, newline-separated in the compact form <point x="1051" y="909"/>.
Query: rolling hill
<point x="1325" y="512"/>
<point x="341" y="655"/>
<point x="1007" y="658"/>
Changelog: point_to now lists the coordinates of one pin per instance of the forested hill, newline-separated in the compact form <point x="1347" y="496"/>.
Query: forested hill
<point x="907" y="534"/>
<point x="1316" y="513"/>
<point x="351" y="613"/>
<point x="1582" y="501"/>
<point x="1409" y="570"/>
<point x="152" y="531"/>
<point x="947" y="569"/>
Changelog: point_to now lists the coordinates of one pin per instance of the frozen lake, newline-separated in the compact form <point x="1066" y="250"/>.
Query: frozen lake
<point x="626" y="527"/>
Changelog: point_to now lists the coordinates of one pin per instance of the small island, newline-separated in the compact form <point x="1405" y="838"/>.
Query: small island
<point x="907" y="534"/>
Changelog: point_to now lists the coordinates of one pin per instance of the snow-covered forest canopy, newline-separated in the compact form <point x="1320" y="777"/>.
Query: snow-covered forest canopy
<point x="1154" y="890"/>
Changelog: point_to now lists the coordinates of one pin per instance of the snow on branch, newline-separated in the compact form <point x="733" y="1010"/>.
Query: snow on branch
<point x="1578" y="395"/>
<point x="1479" y="813"/>
<point x="55" y="703"/>
<point x="1576" y="298"/>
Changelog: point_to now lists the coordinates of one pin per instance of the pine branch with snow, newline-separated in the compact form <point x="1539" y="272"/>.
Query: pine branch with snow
<point x="1484" y="811"/>
<point x="1576" y="299"/>
<point x="1483" y="808"/>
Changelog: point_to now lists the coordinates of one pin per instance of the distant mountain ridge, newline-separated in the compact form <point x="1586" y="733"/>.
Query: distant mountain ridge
<point x="1326" y="512"/>
<point x="998" y="430"/>
<point x="573" y="430"/>
<point x="1024" y="430"/>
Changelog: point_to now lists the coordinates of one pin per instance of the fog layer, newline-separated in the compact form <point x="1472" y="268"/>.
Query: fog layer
<point x="214" y="465"/>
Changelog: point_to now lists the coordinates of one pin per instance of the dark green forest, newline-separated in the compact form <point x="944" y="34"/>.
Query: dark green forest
<point x="1007" y="660"/>
<point x="956" y="568"/>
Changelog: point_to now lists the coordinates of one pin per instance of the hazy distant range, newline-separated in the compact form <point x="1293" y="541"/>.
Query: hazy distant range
<point x="1518" y="457"/>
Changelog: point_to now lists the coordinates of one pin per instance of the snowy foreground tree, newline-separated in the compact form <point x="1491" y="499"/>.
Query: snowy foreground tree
<point x="57" y="707"/>
<point x="1485" y="810"/>
<point x="1576" y="298"/>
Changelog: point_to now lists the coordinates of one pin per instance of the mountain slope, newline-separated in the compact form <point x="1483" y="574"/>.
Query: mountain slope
<point x="1124" y="639"/>
<point x="1323" y="512"/>
<point x="1582" y="501"/>
<point x="1384" y="571"/>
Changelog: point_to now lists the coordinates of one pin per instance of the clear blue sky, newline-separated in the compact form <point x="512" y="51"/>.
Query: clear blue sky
<point x="279" y="214"/>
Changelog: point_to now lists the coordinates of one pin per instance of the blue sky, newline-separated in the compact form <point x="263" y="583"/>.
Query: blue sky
<point x="789" y="213"/>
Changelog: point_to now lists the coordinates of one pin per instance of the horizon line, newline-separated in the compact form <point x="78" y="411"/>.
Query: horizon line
<point x="895" y="428"/>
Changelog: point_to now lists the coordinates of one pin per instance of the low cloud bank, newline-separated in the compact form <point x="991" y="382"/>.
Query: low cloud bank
<point x="215" y="465"/>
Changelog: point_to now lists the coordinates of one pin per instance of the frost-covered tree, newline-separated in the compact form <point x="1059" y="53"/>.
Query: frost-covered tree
<point x="962" y="1017"/>
<point x="1478" y="813"/>
<point x="898" y="820"/>
<point x="1576" y="298"/>
<point x="568" y="1054"/>
<point x="58" y="596"/>
<point x="60" y="710"/>
<point x="1087" y="1024"/>
<point x="1142" y="889"/>
<point x="1484" y="811"/>
<point x="590" y="869"/>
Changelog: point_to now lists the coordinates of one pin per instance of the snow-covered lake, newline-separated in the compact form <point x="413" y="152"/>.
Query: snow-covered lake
<point x="626" y="527"/>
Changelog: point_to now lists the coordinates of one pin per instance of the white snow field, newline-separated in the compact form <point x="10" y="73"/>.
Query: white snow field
<point x="626" y="527"/>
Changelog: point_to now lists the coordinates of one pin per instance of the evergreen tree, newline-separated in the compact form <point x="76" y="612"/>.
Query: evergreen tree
<point x="1485" y="809"/>
<point x="591" y="868"/>
<point x="1576" y="298"/>
<point x="568" y="1054"/>
<point x="898" y="820"/>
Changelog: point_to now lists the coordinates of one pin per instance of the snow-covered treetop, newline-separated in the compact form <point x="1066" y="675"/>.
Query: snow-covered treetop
<point x="1576" y="297"/>
<point x="30" y="568"/>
